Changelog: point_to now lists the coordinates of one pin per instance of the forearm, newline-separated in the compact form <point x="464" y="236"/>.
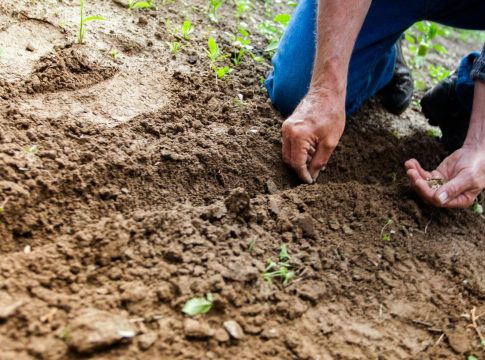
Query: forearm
<point x="476" y="131"/>
<point x="338" y="25"/>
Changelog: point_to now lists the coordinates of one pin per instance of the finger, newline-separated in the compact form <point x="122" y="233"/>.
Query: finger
<point x="320" y="160"/>
<point x="299" y="156"/>
<point x="425" y="192"/>
<point x="414" y="164"/>
<point x="286" y="150"/>
<point x="462" y="201"/>
<point x="453" y="189"/>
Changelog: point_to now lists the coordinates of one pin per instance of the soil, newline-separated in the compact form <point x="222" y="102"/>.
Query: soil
<point x="134" y="183"/>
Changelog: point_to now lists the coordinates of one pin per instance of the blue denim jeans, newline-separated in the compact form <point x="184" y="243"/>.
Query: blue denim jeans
<point x="374" y="55"/>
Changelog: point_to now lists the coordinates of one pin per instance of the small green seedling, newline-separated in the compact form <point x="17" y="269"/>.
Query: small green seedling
<point x="187" y="29"/>
<point x="387" y="235"/>
<point x="284" y="256"/>
<point x="114" y="53"/>
<point x="221" y="72"/>
<point x="281" y="269"/>
<point x="175" y="47"/>
<point x="66" y="333"/>
<point x="252" y="245"/>
<point x="214" y="52"/>
<point x="242" y="7"/>
<point x="84" y="20"/>
<point x="214" y="6"/>
<point x="477" y="208"/>
<point x="471" y="357"/>
<point x="433" y="133"/>
<point x="136" y="4"/>
<point x="31" y="149"/>
<point x="215" y="56"/>
<point x="198" y="306"/>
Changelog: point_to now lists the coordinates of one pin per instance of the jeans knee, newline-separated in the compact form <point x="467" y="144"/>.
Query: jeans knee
<point x="284" y="93"/>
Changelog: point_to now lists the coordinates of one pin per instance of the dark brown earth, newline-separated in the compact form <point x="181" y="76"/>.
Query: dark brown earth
<point x="131" y="185"/>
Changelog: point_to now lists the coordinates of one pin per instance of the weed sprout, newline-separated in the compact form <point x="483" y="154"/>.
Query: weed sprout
<point x="187" y="29"/>
<point x="136" y="4"/>
<point x="84" y="20"/>
<point x="215" y="56"/>
<point x="214" y="6"/>
<point x="281" y="269"/>
<point x="387" y="235"/>
<point x="175" y="47"/>
<point x="196" y="306"/>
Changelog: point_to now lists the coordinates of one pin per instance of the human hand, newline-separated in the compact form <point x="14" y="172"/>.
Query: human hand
<point x="311" y="134"/>
<point x="463" y="173"/>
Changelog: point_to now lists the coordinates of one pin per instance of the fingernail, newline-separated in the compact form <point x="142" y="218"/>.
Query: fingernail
<point x="443" y="197"/>
<point x="315" y="178"/>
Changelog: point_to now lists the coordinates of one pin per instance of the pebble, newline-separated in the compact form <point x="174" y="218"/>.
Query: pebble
<point x="234" y="329"/>
<point x="270" y="333"/>
<point x="30" y="47"/>
<point x="221" y="335"/>
<point x="271" y="187"/>
<point x="196" y="329"/>
<point x="146" y="341"/>
<point x="96" y="329"/>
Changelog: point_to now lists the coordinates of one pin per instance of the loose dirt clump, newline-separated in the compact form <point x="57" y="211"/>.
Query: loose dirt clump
<point x="130" y="184"/>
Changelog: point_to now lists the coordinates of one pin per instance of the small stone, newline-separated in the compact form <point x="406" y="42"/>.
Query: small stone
<point x="125" y="190"/>
<point x="30" y="47"/>
<point x="270" y="333"/>
<point x="142" y="20"/>
<point x="274" y="206"/>
<point x="27" y="249"/>
<point x="95" y="329"/>
<point x="311" y="290"/>
<point x="234" y="329"/>
<point x="196" y="329"/>
<point x="271" y="187"/>
<point x="305" y="222"/>
<point x="347" y="230"/>
<point x="389" y="254"/>
<point x="221" y="335"/>
<point x="146" y="341"/>
<point x="459" y="341"/>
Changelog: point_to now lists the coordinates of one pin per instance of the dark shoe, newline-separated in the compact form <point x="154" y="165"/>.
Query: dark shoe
<point x="397" y="95"/>
<point x="442" y="108"/>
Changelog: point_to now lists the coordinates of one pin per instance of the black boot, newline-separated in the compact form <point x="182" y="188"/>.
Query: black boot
<point x="397" y="95"/>
<point x="442" y="108"/>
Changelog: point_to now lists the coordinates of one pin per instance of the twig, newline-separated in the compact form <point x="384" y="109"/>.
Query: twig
<point x="426" y="227"/>
<point x="439" y="339"/>
<point x="474" y="324"/>
<point x="7" y="199"/>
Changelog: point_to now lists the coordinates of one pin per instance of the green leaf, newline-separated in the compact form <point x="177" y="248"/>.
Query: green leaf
<point x="409" y="38"/>
<point x="198" y="306"/>
<point x="223" y="71"/>
<point x="477" y="208"/>
<point x="440" y="48"/>
<point x="284" y="253"/>
<point x="471" y="357"/>
<point x="423" y="50"/>
<point x="282" y="19"/>
<point x="93" y="18"/>
<point x="273" y="46"/>
<point x="213" y="48"/>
